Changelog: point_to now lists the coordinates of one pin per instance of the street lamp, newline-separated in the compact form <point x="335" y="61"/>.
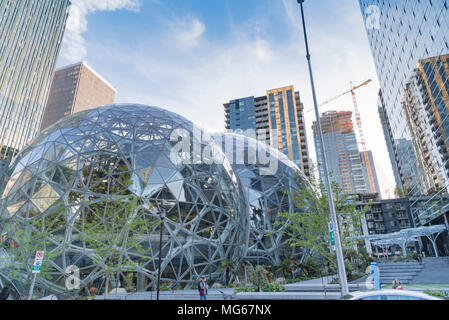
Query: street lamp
<point x="339" y="251"/>
<point x="162" y="215"/>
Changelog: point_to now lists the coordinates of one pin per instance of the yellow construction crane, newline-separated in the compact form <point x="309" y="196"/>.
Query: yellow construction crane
<point x="356" y="108"/>
<point x="359" y="124"/>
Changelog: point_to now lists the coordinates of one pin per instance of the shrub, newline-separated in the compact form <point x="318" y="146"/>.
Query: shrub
<point x="309" y="268"/>
<point x="273" y="287"/>
<point x="438" y="294"/>
<point x="166" y="287"/>
<point x="335" y="281"/>
<point x="244" y="289"/>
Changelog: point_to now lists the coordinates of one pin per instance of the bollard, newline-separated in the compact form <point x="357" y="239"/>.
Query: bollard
<point x="376" y="276"/>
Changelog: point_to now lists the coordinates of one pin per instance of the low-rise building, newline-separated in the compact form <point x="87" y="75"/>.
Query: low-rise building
<point x="386" y="216"/>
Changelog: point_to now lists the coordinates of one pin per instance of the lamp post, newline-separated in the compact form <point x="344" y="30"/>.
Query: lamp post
<point x="339" y="251"/>
<point x="162" y="216"/>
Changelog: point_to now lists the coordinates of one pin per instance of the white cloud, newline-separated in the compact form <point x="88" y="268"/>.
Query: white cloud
<point x="189" y="31"/>
<point x="292" y="11"/>
<point x="74" y="48"/>
<point x="158" y="70"/>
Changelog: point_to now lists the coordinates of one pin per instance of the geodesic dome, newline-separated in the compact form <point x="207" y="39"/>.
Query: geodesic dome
<point x="62" y="181"/>
<point x="269" y="181"/>
<point x="217" y="205"/>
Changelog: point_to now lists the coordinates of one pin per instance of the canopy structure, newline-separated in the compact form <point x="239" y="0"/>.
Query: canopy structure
<point x="403" y="237"/>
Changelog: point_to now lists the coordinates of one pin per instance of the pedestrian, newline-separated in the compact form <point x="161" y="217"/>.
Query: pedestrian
<point x="4" y="294"/>
<point x="397" y="285"/>
<point x="202" y="288"/>
<point x="93" y="291"/>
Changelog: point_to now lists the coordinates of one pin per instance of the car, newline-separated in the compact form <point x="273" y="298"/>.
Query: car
<point x="383" y="295"/>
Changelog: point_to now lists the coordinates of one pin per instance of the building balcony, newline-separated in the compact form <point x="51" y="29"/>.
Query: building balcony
<point x="434" y="126"/>
<point x="440" y="141"/>
<point x="443" y="150"/>
<point x="432" y="119"/>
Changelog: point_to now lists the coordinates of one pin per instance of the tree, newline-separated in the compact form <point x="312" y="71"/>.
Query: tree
<point x="22" y="249"/>
<point x="308" y="226"/>
<point x="401" y="192"/>
<point x="117" y="225"/>
<point x="257" y="275"/>
<point x="230" y="266"/>
<point x="115" y="230"/>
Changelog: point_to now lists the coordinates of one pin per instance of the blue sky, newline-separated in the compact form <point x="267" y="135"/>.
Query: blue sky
<point x="191" y="56"/>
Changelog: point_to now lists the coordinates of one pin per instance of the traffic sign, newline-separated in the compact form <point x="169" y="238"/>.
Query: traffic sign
<point x="332" y="236"/>
<point x="37" y="267"/>
<point x="38" y="259"/>
<point x="39" y="255"/>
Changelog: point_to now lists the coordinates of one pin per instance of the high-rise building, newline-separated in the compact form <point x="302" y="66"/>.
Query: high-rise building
<point x="276" y="118"/>
<point x="370" y="173"/>
<point x="404" y="37"/>
<point x="344" y="159"/>
<point x="388" y="134"/>
<point x="426" y="105"/>
<point x="409" y="170"/>
<point x="76" y="88"/>
<point x="30" y="37"/>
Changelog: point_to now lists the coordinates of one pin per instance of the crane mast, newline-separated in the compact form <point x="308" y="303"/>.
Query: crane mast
<point x="358" y="118"/>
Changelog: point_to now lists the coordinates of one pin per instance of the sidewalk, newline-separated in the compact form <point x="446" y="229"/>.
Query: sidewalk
<point x="324" y="280"/>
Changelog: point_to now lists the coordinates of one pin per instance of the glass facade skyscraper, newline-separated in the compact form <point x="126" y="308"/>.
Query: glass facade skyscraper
<point x="370" y="173"/>
<point x="276" y="118"/>
<point x="403" y="35"/>
<point x="388" y="134"/>
<point x="426" y="106"/>
<point x="410" y="43"/>
<point x="344" y="159"/>
<point x="30" y="36"/>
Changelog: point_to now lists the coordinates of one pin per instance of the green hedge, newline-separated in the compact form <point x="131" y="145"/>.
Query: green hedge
<point x="273" y="287"/>
<point x="244" y="289"/>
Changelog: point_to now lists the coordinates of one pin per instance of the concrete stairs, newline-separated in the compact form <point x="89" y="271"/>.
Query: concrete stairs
<point x="436" y="271"/>
<point x="404" y="271"/>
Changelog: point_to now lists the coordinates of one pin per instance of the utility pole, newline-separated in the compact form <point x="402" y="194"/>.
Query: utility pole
<point x="338" y="247"/>
<point x="162" y="217"/>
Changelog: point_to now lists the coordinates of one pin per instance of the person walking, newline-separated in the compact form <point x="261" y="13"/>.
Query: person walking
<point x="4" y="294"/>
<point x="202" y="288"/>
